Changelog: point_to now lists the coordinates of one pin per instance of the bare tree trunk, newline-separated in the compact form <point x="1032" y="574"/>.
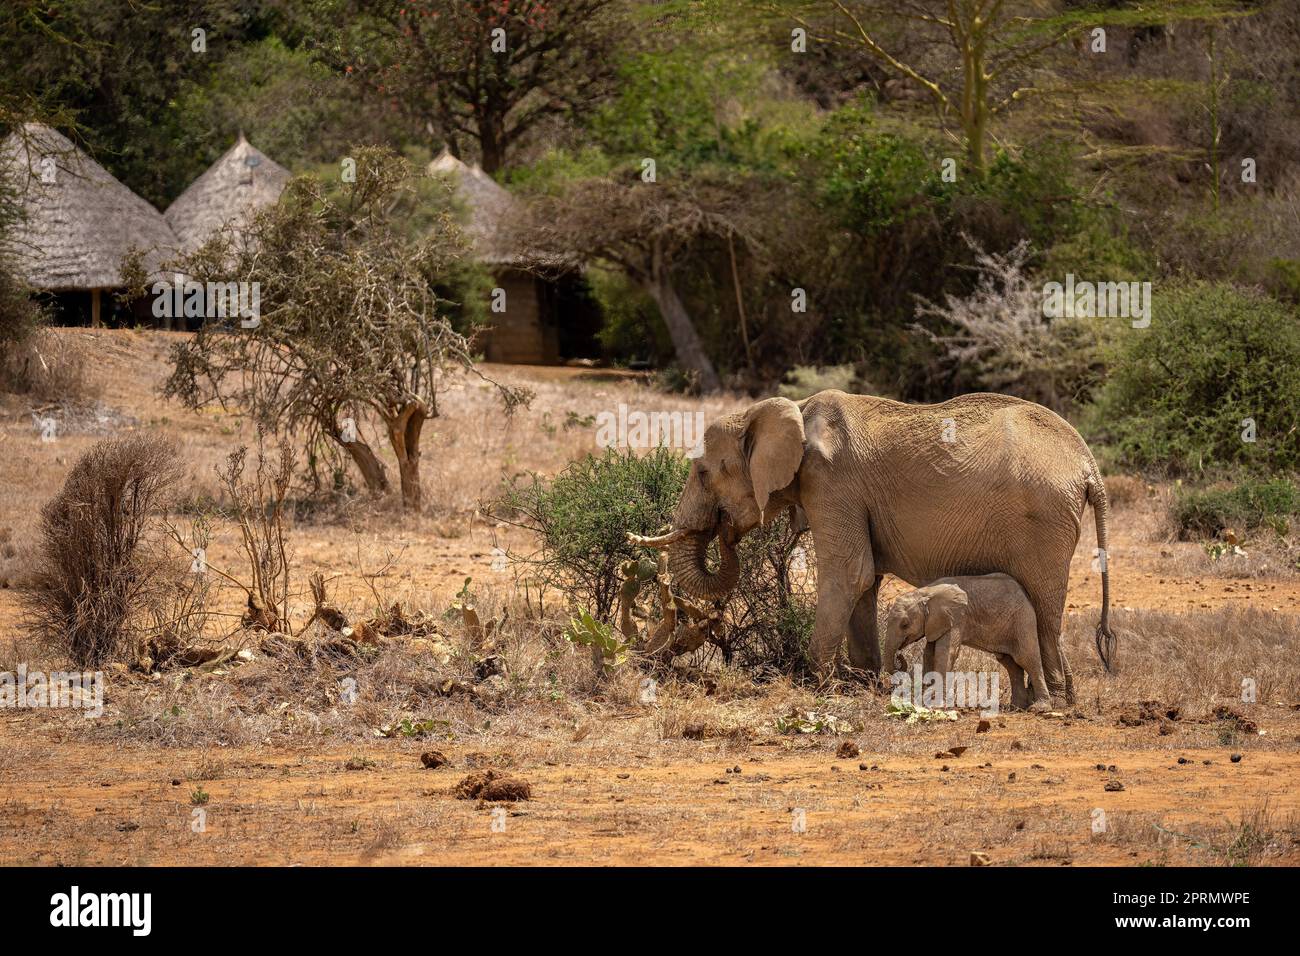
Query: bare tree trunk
<point x="372" y="469"/>
<point x="686" y="341"/>
<point x="492" y="147"/>
<point x="373" y="472"/>
<point x="404" y="435"/>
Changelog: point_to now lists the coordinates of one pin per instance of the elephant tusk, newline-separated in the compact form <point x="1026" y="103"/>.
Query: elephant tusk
<point x="662" y="541"/>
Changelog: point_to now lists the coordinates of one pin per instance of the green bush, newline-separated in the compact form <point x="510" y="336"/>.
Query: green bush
<point x="1205" y="513"/>
<point x="804" y="380"/>
<point x="581" y="518"/>
<point x="1179" y="392"/>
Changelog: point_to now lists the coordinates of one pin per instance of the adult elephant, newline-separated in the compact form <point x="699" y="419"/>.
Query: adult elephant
<point x="978" y="484"/>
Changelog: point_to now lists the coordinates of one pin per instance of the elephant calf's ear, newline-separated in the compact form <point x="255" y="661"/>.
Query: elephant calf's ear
<point x="773" y="445"/>
<point x="945" y="608"/>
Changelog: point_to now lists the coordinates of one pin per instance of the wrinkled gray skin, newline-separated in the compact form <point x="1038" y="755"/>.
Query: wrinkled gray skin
<point x="990" y="612"/>
<point x="884" y="493"/>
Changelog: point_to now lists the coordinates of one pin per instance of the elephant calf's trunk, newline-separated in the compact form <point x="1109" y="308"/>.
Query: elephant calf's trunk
<point x="687" y="565"/>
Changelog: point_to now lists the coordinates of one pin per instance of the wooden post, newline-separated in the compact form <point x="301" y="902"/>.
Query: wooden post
<point x="94" y="308"/>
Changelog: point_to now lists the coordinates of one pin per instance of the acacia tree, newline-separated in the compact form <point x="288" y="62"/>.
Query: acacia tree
<point x="348" y="319"/>
<point x="978" y="53"/>
<point x="481" y="71"/>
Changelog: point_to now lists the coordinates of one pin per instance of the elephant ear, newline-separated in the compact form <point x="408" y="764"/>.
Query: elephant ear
<point x="945" y="608"/>
<point x="773" y="445"/>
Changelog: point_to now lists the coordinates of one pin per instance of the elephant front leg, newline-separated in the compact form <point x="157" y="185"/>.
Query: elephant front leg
<point x="834" y="608"/>
<point x="864" y="637"/>
<point x="845" y="573"/>
<point x="938" y="661"/>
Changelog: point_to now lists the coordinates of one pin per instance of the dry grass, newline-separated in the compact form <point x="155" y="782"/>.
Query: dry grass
<point x="1193" y="660"/>
<point x="531" y="698"/>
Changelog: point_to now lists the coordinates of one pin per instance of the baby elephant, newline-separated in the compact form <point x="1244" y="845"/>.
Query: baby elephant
<point x="989" y="612"/>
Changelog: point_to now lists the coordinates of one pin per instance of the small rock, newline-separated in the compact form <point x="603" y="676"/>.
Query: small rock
<point x="980" y="859"/>
<point x="1235" y="758"/>
<point x="983" y="727"/>
<point x="1113" y="786"/>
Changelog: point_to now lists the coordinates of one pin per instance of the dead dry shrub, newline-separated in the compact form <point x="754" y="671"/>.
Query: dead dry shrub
<point x="1125" y="490"/>
<point x="95" y="572"/>
<point x="49" y="366"/>
<point x="769" y="617"/>
<point x="258" y="503"/>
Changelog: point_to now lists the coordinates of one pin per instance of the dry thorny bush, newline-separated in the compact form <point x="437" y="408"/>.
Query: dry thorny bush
<point x="98" y="569"/>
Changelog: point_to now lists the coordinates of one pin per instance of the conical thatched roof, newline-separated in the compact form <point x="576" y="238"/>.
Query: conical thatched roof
<point x="79" y="221"/>
<point x="488" y="210"/>
<point x="236" y="185"/>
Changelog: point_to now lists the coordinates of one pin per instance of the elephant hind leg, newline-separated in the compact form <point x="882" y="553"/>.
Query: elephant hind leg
<point x="1049" y="609"/>
<point x="1016" y="674"/>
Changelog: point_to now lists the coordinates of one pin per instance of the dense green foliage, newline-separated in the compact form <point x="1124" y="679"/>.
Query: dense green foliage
<point x="1181" y="394"/>
<point x="1201" y="513"/>
<point x="582" y="516"/>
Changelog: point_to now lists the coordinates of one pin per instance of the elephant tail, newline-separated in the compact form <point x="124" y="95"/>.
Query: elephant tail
<point x="1101" y="514"/>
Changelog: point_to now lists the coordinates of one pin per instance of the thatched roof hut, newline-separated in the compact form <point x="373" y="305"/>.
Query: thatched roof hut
<point x="232" y="189"/>
<point x="79" y="222"/>
<point x="487" y="208"/>
<point x="534" y="311"/>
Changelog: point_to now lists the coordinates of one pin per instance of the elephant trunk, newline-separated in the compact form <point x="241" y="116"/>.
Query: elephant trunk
<point x="890" y="655"/>
<point x="686" y="563"/>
